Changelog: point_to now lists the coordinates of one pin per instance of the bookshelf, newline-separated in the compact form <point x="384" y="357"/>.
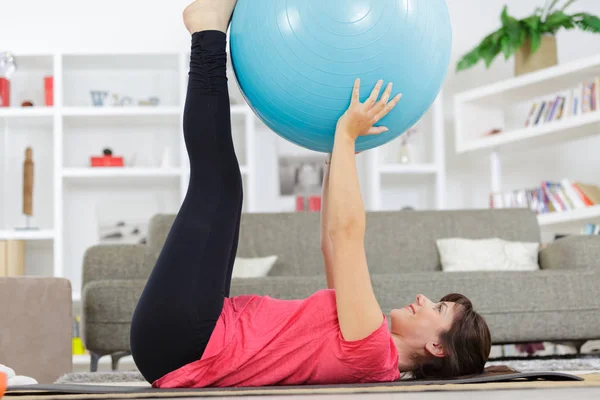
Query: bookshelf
<point x="68" y="194"/>
<point x="506" y="106"/>
<point x="421" y="183"/>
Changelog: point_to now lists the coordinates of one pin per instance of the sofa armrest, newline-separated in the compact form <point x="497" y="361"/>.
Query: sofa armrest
<point x="106" y="262"/>
<point x="36" y="325"/>
<point x="279" y="287"/>
<point x="572" y="252"/>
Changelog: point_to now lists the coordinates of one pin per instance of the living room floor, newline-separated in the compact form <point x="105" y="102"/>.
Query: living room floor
<point x="527" y="394"/>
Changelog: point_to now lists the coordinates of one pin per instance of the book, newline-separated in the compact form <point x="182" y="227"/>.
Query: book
<point x="531" y="114"/>
<point x="582" y="196"/>
<point x="15" y="257"/>
<point x="540" y="112"/>
<point x="592" y="192"/>
<point x="586" y="98"/>
<point x="567" y="187"/>
<point x="3" y="269"/>
<point x="552" y="109"/>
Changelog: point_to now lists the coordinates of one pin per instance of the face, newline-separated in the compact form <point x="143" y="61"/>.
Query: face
<point x="421" y="323"/>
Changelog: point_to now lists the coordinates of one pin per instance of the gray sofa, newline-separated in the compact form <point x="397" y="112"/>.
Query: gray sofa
<point x="560" y="302"/>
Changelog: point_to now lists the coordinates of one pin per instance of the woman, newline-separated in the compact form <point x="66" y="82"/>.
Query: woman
<point x="186" y="330"/>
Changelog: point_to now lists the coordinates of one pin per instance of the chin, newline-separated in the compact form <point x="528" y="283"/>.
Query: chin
<point x="396" y="318"/>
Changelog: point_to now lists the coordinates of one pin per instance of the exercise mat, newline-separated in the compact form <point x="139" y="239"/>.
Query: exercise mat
<point x="493" y="381"/>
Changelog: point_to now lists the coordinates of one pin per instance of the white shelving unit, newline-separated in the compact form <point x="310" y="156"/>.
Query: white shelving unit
<point x="506" y="104"/>
<point x="68" y="194"/>
<point x="421" y="183"/>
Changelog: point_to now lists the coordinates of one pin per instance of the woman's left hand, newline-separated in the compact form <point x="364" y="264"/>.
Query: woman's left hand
<point x="360" y="118"/>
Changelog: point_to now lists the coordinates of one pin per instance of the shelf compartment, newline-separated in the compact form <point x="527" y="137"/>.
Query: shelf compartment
<point x="138" y="76"/>
<point x="550" y="133"/>
<point x="506" y="106"/>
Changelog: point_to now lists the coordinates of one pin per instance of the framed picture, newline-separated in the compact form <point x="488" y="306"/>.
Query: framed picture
<point x="301" y="174"/>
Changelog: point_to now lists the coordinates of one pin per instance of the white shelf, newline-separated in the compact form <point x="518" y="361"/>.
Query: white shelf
<point x="408" y="169"/>
<point x="553" y="132"/>
<point x="41" y="234"/>
<point x="19" y="112"/>
<point x="547" y="81"/>
<point x="566" y="217"/>
<point x="120" y="172"/>
<point x="131" y="111"/>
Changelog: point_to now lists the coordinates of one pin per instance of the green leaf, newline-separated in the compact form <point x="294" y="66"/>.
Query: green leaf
<point x="555" y="21"/>
<point x="510" y="25"/>
<point x="536" y="41"/>
<point x="587" y="22"/>
<point x="489" y="53"/>
<point x="487" y="50"/>
<point x="468" y="60"/>
<point x="533" y="22"/>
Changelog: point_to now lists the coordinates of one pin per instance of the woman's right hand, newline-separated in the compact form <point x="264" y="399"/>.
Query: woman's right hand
<point x="360" y="118"/>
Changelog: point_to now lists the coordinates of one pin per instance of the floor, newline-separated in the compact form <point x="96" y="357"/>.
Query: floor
<point x="530" y="394"/>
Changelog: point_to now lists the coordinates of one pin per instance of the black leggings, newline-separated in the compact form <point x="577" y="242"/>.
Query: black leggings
<point x="184" y="295"/>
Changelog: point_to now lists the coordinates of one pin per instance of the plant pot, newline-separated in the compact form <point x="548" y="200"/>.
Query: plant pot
<point x="546" y="56"/>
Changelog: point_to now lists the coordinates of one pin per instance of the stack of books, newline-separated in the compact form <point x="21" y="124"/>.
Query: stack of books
<point x="580" y="100"/>
<point x="551" y="196"/>
<point x="591" y="229"/>
<point x="12" y="257"/>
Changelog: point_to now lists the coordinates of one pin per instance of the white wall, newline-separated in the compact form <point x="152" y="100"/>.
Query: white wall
<point x="136" y="25"/>
<point x="468" y="182"/>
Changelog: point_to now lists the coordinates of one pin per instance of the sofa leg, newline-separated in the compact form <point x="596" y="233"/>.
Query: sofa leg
<point x="578" y="345"/>
<point x="95" y="357"/>
<point x="116" y="357"/>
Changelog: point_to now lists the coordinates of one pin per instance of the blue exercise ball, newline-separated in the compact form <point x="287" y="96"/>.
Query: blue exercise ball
<point x="295" y="62"/>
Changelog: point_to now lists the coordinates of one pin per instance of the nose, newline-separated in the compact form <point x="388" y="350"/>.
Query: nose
<point x="421" y="300"/>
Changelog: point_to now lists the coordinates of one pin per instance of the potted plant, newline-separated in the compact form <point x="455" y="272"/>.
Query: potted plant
<point x="532" y="39"/>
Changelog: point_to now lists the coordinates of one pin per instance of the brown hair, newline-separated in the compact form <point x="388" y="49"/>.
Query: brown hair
<point x="467" y="345"/>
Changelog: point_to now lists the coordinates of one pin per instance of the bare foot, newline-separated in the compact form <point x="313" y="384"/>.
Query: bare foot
<point x="203" y="15"/>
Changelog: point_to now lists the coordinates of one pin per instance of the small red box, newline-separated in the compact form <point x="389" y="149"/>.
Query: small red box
<point x="4" y="92"/>
<point x="314" y="203"/>
<point x="300" y="203"/>
<point x="107" y="161"/>
<point x="49" y="90"/>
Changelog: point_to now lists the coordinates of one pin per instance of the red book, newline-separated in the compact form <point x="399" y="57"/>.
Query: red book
<point x="106" y="161"/>
<point x="4" y="92"/>
<point x="49" y="90"/>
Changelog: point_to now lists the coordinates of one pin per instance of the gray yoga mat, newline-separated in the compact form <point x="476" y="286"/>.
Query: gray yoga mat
<point x="57" y="391"/>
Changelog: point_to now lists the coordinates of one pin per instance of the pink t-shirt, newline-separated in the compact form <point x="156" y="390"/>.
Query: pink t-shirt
<point x="261" y="341"/>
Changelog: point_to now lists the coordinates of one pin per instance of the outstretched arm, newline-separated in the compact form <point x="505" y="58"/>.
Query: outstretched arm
<point x="359" y="313"/>
<point x="326" y="247"/>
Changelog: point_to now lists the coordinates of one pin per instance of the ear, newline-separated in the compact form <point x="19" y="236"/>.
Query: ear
<point x="435" y="349"/>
